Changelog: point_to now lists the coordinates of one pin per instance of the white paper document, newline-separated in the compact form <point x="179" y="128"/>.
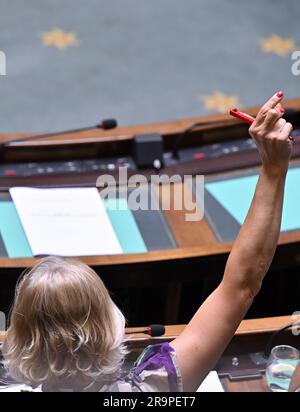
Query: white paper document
<point x="65" y="222"/>
<point x="211" y="383"/>
<point x="19" y="388"/>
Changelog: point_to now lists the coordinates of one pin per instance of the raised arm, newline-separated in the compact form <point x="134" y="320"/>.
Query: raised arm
<point x="204" y="339"/>
<point x="295" y="382"/>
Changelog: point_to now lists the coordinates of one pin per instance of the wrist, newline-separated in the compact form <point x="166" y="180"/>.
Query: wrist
<point x="275" y="171"/>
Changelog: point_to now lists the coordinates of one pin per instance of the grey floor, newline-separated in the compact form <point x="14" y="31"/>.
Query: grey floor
<point x="139" y="60"/>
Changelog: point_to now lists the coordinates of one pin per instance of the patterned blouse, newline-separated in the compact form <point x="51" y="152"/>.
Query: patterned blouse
<point x="156" y="370"/>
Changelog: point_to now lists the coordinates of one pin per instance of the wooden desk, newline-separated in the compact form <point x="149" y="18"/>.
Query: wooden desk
<point x="248" y="327"/>
<point x="251" y="336"/>
<point x="199" y="258"/>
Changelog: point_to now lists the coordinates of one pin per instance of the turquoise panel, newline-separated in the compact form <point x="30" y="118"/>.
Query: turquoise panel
<point x="236" y="194"/>
<point x="125" y="226"/>
<point x="12" y="232"/>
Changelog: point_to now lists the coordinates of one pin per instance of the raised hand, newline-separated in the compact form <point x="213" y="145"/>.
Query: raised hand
<point x="271" y="134"/>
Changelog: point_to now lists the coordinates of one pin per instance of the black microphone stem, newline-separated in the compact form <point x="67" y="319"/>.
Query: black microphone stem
<point x="43" y="136"/>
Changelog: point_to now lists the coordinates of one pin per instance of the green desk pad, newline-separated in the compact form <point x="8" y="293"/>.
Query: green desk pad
<point x="125" y="226"/>
<point x="235" y="195"/>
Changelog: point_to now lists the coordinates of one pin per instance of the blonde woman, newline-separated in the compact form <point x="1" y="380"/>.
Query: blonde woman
<point x="65" y="332"/>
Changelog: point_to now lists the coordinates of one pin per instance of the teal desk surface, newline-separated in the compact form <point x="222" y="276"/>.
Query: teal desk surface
<point x="14" y="240"/>
<point x="235" y="195"/>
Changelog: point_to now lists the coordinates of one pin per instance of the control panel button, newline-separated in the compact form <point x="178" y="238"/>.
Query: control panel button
<point x="10" y="172"/>
<point x="199" y="155"/>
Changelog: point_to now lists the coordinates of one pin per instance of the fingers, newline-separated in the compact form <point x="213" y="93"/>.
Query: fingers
<point x="279" y="125"/>
<point x="269" y="121"/>
<point x="272" y="116"/>
<point x="270" y="104"/>
<point x="286" y="130"/>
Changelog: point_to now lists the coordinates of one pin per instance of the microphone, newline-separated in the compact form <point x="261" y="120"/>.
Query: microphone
<point x="152" y="330"/>
<point x="106" y="124"/>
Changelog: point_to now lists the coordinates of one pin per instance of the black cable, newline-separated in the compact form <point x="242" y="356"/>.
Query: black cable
<point x="290" y="115"/>
<point x="275" y="334"/>
<point x="186" y="131"/>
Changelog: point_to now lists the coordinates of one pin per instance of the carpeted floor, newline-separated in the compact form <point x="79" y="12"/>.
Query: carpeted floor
<point x="72" y="62"/>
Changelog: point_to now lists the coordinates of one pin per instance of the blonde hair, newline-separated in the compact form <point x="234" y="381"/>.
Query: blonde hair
<point x="64" y="327"/>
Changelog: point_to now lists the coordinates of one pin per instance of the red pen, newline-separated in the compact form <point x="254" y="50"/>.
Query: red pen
<point x="246" y="117"/>
<point x="242" y="116"/>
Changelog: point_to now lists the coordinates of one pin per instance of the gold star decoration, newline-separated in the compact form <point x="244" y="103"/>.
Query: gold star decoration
<point x="277" y="45"/>
<point x="220" y="102"/>
<point x="59" y="39"/>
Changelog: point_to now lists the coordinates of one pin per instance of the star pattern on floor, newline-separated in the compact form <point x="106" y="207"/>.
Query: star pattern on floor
<point x="277" y="45"/>
<point x="220" y="102"/>
<point x="59" y="39"/>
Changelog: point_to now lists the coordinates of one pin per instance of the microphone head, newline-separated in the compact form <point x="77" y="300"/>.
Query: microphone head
<point x="108" y="124"/>
<point x="156" y="330"/>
